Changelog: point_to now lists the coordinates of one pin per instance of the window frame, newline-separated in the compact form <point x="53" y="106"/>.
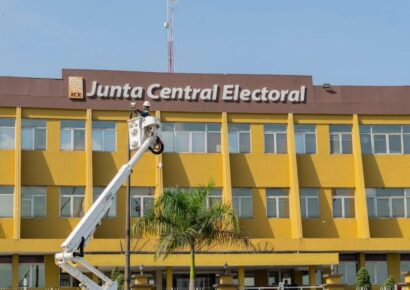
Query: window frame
<point x="71" y="201"/>
<point x="31" y="264"/>
<point x="32" y="196"/>
<point x="240" y="198"/>
<point x="303" y="135"/>
<point x="206" y="132"/>
<point x="386" y="136"/>
<point x="340" y="134"/>
<point x="317" y="197"/>
<point x="9" y="194"/>
<point x="274" y="133"/>
<point x="103" y="130"/>
<point x="33" y="135"/>
<point x="14" y="133"/>
<point x="374" y="275"/>
<point x="277" y="198"/>
<point x="371" y="194"/>
<point x="72" y="131"/>
<point x="238" y="134"/>
<point x="343" y="198"/>
<point x="142" y="199"/>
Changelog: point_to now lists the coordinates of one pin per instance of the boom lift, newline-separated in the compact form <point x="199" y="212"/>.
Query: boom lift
<point x="143" y="134"/>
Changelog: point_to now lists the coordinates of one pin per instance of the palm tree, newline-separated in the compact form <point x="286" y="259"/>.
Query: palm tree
<point x="184" y="220"/>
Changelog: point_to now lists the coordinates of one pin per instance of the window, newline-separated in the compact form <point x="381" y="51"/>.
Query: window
<point x="275" y="139"/>
<point x="277" y="202"/>
<point x="388" y="202"/>
<point x="343" y="203"/>
<point x="242" y="202"/>
<point x="66" y="280"/>
<point x="7" y="133"/>
<point x="6" y="201"/>
<point x="214" y="197"/>
<point x="33" y="201"/>
<point x="385" y="139"/>
<point x="376" y="265"/>
<point x="34" y="134"/>
<point x="347" y="268"/>
<point x="112" y="211"/>
<point x="305" y="139"/>
<point x="191" y="137"/>
<point x="72" y="135"/>
<point x="71" y="201"/>
<point x="239" y="138"/>
<point x="104" y="136"/>
<point x="404" y="265"/>
<point x="142" y="198"/>
<point x="6" y="274"/>
<point x="341" y="139"/>
<point x="309" y="202"/>
<point x="31" y="271"/>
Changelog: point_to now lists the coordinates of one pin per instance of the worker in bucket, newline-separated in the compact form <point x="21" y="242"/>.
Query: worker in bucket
<point x="145" y="111"/>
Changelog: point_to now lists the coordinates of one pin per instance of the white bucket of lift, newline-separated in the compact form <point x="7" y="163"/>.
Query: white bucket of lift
<point x="140" y="128"/>
<point x="135" y="132"/>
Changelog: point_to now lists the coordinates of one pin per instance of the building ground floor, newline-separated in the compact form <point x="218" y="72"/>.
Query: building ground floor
<point x="249" y="269"/>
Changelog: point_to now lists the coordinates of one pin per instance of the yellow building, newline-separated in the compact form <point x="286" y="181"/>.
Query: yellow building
<point x="319" y="175"/>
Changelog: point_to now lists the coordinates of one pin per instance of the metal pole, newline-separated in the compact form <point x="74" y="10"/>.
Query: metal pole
<point x="128" y="227"/>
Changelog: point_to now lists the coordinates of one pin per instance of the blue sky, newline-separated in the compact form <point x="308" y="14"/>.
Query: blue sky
<point x="355" y="42"/>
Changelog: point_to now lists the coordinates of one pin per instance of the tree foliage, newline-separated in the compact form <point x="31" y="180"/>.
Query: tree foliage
<point x="363" y="279"/>
<point x="117" y="275"/>
<point x="183" y="221"/>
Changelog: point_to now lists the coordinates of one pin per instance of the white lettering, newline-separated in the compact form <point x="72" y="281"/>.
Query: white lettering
<point x="151" y="90"/>
<point x="227" y="93"/>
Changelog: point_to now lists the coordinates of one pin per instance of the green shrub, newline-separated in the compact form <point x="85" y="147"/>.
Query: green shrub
<point x="363" y="279"/>
<point x="390" y="282"/>
<point x="117" y="275"/>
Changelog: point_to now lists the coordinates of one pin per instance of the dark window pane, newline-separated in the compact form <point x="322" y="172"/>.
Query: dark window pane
<point x="380" y="145"/>
<point x="395" y="143"/>
<point x="347" y="143"/>
<point x="281" y="143"/>
<point x="310" y="144"/>
<point x="366" y="143"/>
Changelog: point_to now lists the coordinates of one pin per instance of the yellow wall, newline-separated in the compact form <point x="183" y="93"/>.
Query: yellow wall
<point x="257" y="170"/>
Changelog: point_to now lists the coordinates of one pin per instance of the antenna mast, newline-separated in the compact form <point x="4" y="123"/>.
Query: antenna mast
<point x="169" y="25"/>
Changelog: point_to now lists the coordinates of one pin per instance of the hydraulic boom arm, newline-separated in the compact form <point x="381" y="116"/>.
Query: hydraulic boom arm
<point x="73" y="246"/>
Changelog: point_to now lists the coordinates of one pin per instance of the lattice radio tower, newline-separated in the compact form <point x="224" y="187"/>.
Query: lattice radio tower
<point x="169" y="25"/>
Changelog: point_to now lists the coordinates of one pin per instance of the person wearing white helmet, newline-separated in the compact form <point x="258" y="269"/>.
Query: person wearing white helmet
<point x="145" y="111"/>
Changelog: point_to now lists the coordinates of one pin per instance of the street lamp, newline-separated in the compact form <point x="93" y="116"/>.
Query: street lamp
<point x="128" y="217"/>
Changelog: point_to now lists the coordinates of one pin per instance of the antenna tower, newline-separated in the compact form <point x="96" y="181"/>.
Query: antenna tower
<point x="169" y="25"/>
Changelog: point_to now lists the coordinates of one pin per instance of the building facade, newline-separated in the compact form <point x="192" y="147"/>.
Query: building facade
<point x="319" y="175"/>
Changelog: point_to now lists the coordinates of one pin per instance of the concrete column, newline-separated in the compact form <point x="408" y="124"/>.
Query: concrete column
<point x="15" y="271"/>
<point x="241" y="277"/>
<point x="312" y="275"/>
<point x="17" y="178"/>
<point x="226" y="165"/>
<point x="169" y="278"/>
<point x="158" y="279"/>
<point x="52" y="272"/>
<point x="294" y="195"/>
<point x="361" y="212"/>
<point x="89" y="199"/>
<point x="393" y="266"/>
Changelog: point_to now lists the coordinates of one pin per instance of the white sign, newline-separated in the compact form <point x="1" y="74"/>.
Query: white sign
<point x="226" y="93"/>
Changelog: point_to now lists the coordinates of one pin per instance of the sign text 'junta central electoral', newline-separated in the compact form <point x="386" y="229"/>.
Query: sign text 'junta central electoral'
<point x="215" y="93"/>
